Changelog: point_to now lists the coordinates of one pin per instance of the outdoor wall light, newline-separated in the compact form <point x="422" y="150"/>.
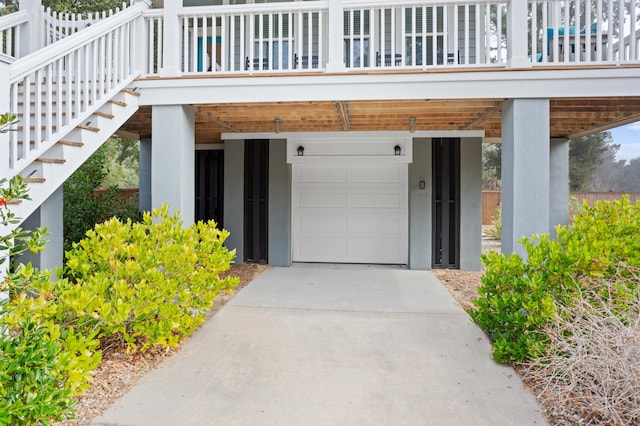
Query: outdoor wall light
<point x="412" y="124"/>
<point x="397" y="150"/>
<point x="277" y="122"/>
<point x="300" y="151"/>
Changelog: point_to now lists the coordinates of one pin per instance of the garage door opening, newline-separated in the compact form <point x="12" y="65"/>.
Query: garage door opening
<point x="350" y="213"/>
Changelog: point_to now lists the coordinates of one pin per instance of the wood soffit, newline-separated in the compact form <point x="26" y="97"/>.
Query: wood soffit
<point x="569" y="117"/>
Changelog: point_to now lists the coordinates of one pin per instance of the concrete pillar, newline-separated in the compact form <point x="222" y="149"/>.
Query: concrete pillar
<point x="420" y="200"/>
<point x="234" y="197"/>
<point x="144" y="176"/>
<point x="49" y="215"/>
<point x="525" y="171"/>
<point x="173" y="159"/>
<point x="279" y="204"/>
<point x="559" y="184"/>
<point x="172" y="36"/>
<point x="470" y="203"/>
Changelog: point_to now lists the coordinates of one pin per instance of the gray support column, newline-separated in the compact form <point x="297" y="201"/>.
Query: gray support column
<point x="470" y="203"/>
<point x="234" y="197"/>
<point x="173" y="159"/>
<point x="525" y="171"/>
<point x="49" y="215"/>
<point x="279" y="204"/>
<point x="420" y="200"/>
<point x="559" y="184"/>
<point x="144" y="176"/>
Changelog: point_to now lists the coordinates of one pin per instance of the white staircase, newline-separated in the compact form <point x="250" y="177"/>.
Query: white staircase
<point x="69" y="97"/>
<point x="46" y="172"/>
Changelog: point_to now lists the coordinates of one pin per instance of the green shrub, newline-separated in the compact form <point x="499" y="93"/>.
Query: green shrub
<point x="148" y="283"/>
<point x="83" y="208"/>
<point x="45" y="362"/>
<point x="496" y="231"/>
<point x="518" y="298"/>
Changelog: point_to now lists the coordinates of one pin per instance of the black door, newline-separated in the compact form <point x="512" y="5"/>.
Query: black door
<point x="209" y="185"/>
<point x="446" y="202"/>
<point x="256" y="191"/>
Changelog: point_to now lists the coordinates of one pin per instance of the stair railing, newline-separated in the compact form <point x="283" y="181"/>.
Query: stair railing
<point x="11" y="30"/>
<point x="53" y="90"/>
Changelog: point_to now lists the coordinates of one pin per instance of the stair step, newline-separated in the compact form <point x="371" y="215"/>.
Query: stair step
<point x="35" y="180"/>
<point x="51" y="160"/>
<point x="70" y="143"/>
<point x="130" y="91"/>
<point x="87" y="127"/>
<point x="104" y="114"/>
<point x="14" y="202"/>
<point x="117" y="102"/>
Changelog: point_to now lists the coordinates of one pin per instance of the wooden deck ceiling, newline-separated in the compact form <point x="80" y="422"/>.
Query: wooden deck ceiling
<point x="570" y="118"/>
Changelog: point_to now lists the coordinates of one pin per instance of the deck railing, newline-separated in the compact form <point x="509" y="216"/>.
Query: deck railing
<point x="391" y="34"/>
<point x="583" y="31"/>
<point x="53" y="90"/>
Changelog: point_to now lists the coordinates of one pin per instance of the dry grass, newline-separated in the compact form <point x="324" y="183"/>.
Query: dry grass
<point x="592" y="375"/>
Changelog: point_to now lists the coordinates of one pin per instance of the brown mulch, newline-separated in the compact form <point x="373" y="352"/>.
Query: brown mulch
<point x="119" y="371"/>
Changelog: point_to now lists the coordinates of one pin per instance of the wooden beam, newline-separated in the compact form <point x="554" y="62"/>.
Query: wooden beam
<point x="608" y="126"/>
<point x="342" y="109"/>
<point x="128" y="134"/>
<point x="481" y="117"/>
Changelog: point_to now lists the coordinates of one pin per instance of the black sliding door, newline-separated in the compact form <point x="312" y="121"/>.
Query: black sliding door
<point x="446" y="202"/>
<point x="256" y="191"/>
<point x="209" y="186"/>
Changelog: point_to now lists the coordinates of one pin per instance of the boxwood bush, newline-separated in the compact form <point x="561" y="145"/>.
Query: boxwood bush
<point x="519" y="298"/>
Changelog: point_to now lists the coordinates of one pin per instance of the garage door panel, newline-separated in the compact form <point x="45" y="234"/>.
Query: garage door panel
<point x="383" y="175"/>
<point x="322" y="200"/>
<point x="318" y="175"/>
<point x="377" y="225"/>
<point x="376" y="200"/>
<point x="315" y="224"/>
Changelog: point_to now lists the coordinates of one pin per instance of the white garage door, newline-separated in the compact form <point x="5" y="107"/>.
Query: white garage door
<point x="350" y="213"/>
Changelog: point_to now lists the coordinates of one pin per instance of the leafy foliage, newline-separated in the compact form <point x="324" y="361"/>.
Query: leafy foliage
<point x="496" y="230"/>
<point x="45" y="361"/>
<point x="145" y="284"/>
<point x="83" y="208"/>
<point x="518" y="298"/>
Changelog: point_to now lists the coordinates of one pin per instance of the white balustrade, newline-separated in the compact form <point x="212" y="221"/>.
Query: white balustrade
<point x="421" y="34"/>
<point x="583" y="31"/>
<point x="254" y="38"/>
<point x="60" y="25"/>
<point x="53" y="90"/>
<point x="10" y="33"/>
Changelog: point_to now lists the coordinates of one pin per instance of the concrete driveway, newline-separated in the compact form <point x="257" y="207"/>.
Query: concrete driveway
<point x="333" y="345"/>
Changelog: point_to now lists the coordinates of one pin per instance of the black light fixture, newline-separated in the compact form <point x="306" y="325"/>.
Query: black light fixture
<point x="300" y="151"/>
<point x="397" y="150"/>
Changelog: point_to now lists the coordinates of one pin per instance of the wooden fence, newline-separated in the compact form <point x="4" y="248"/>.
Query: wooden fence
<point x="491" y="200"/>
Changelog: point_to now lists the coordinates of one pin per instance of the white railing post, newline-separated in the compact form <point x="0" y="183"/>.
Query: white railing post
<point x="335" y="61"/>
<point x="517" y="22"/>
<point x="140" y="42"/>
<point x="171" y="40"/>
<point x="5" y="105"/>
<point x="32" y="38"/>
